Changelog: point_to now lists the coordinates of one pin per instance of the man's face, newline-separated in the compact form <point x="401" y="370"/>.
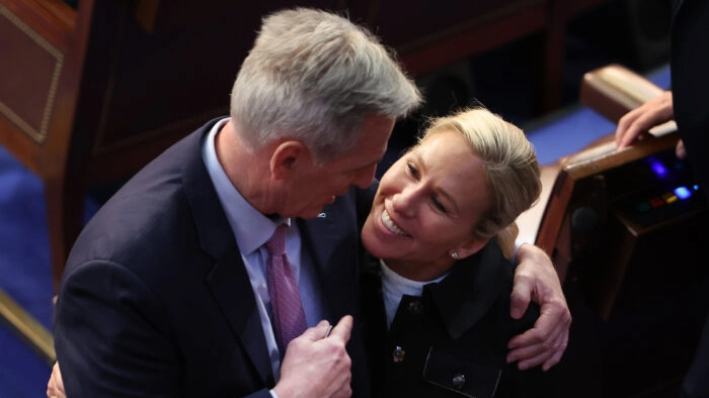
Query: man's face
<point x="318" y="186"/>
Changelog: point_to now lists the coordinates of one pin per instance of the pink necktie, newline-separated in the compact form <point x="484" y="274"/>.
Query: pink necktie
<point x="288" y="315"/>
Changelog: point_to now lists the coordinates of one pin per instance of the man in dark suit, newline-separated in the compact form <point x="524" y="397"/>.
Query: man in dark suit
<point x="686" y="104"/>
<point x="167" y="290"/>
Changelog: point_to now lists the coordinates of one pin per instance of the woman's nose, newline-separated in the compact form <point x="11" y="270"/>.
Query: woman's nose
<point x="404" y="202"/>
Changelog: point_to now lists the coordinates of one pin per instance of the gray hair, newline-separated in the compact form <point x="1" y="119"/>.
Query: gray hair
<point x="315" y="77"/>
<point x="510" y="164"/>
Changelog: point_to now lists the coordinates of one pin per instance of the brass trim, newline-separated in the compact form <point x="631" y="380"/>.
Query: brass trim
<point x="29" y="330"/>
<point x="41" y="135"/>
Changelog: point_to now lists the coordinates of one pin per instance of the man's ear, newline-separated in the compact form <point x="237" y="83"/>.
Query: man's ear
<point x="288" y="157"/>
<point x="471" y="247"/>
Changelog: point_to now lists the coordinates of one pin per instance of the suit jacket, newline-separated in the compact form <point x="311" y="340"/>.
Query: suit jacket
<point x="690" y="82"/>
<point x="155" y="299"/>
<point x="452" y="341"/>
<point x="689" y="66"/>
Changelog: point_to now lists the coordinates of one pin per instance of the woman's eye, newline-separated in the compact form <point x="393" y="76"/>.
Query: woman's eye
<point x="412" y="169"/>
<point x="438" y="205"/>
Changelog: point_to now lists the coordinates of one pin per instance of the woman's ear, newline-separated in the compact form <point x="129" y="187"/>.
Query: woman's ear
<point x="471" y="247"/>
<point x="288" y="158"/>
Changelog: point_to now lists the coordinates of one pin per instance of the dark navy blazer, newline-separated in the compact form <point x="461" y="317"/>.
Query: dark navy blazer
<point x="690" y="83"/>
<point x="155" y="300"/>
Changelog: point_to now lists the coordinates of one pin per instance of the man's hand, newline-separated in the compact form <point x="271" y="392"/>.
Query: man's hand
<point x="637" y="122"/>
<point x="535" y="279"/>
<point x="55" y="386"/>
<point x="318" y="366"/>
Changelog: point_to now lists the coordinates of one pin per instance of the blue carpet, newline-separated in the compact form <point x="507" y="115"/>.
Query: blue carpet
<point x="22" y="373"/>
<point x="25" y="273"/>
<point x="571" y="129"/>
<point x="24" y="246"/>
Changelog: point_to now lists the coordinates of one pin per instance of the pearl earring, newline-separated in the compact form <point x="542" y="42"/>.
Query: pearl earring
<point x="454" y="255"/>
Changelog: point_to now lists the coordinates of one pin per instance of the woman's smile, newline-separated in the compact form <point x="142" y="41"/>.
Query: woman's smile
<point x="391" y="225"/>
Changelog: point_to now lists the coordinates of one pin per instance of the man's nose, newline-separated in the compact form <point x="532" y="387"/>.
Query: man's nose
<point x="365" y="177"/>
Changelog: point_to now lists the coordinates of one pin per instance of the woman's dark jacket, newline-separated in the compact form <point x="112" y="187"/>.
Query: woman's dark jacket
<point x="452" y="341"/>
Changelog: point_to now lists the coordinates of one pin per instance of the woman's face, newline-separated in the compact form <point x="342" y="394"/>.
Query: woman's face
<point x="427" y="205"/>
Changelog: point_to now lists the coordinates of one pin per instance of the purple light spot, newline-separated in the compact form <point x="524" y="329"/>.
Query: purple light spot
<point x="659" y="169"/>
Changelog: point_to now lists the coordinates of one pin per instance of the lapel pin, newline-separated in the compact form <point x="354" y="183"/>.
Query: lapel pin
<point x="322" y="215"/>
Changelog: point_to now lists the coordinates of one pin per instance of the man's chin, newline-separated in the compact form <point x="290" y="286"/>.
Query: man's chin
<point x="316" y="212"/>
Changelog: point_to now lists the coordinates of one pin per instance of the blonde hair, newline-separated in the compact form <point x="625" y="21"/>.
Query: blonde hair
<point x="510" y="164"/>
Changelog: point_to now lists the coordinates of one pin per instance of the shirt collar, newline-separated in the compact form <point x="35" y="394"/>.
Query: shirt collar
<point x="251" y="228"/>
<point x="399" y="285"/>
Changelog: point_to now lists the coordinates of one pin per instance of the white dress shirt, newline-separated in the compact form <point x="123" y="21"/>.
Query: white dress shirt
<point x="252" y="230"/>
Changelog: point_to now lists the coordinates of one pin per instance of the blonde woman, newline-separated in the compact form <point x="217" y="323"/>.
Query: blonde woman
<point x="437" y="293"/>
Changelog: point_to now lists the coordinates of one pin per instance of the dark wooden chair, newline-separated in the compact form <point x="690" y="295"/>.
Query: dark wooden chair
<point x="624" y="231"/>
<point x="598" y="200"/>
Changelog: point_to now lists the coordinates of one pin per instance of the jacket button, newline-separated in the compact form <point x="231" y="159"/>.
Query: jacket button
<point x="459" y="381"/>
<point x="398" y="354"/>
<point x="414" y="306"/>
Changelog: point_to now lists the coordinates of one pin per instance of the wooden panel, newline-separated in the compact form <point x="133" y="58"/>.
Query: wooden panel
<point x="401" y="23"/>
<point x="53" y="20"/>
<point x="429" y="53"/>
<point x="163" y="83"/>
<point x="30" y="71"/>
<point x="613" y="90"/>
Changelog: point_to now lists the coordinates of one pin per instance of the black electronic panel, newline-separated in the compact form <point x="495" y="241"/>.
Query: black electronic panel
<point x="654" y="190"/>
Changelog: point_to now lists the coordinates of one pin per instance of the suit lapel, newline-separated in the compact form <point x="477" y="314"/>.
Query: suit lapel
<point x="471" y="288"/>
<point x="232" y="291"/>
<point x="227" y="277"/>
<point x="332" y="240"/>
